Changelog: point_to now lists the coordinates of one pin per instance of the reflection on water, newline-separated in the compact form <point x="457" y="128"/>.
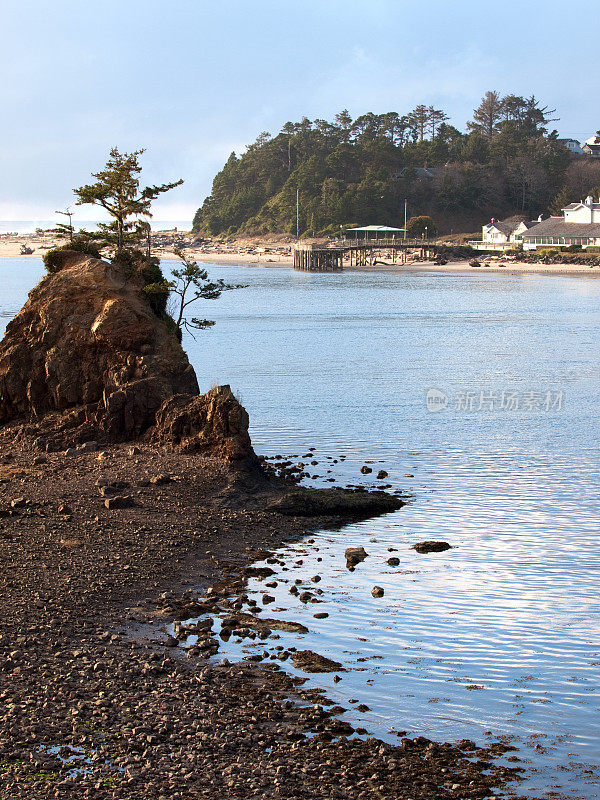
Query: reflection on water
<point x="499" y="634"/>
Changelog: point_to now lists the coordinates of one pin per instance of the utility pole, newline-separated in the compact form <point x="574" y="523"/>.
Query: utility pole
<point x="297" y="214"/>
<point x="405" y="207"/>
<point x="68" y="213"/>
<point x="145" y="230"/>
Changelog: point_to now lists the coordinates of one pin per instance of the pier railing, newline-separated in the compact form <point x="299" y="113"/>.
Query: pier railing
<point x="318" y="258"/>
<point x="393" y="242"/>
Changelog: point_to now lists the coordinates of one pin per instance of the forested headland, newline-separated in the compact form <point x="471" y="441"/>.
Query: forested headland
<point x="360" y="171"/>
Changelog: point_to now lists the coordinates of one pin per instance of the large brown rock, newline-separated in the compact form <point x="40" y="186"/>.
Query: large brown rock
<point x="87" y="339"/>
<point x="214" y="424"/>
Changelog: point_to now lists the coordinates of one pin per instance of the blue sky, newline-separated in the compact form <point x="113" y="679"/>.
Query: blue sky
<point x="192" y="80"/>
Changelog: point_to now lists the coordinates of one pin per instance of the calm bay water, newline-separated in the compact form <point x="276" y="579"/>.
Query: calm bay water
<point x="499" y="634"/>
<point x="25" y="226"/>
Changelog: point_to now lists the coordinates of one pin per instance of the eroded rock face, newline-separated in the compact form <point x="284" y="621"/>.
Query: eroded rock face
<point x="213" y="424"/>
<point x="87" y="339"/>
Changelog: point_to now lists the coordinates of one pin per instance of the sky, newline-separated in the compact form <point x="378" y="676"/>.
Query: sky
<point x="191" y="81"/>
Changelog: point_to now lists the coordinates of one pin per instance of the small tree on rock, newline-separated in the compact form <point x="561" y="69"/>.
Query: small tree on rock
<point x="191" y="283"/>
<point x="117" y="191"/>
<point x="65" y="229"/>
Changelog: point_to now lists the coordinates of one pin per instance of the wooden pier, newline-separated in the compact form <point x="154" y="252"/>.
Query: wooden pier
<point x="311" y="258"/>
<point x="315" y="258"/>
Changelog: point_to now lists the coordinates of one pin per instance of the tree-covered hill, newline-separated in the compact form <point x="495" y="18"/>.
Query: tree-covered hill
<point x="362" y="170"/>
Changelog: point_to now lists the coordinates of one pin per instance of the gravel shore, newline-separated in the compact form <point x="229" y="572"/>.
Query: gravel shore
<point x="94" y="702"/>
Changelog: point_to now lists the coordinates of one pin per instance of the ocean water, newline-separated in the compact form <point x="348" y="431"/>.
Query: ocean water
<point x="25" y="226"/>
<point x="499" y="635"/>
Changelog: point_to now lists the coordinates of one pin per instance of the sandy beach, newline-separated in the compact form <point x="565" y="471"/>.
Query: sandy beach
<point x="11" y="244"/>
<point x="277" y="254"/>
<point x="452" y="267"/>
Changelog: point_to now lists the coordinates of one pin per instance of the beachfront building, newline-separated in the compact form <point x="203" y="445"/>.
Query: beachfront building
<point x="374" y="232"/>
<point x="579" y="224"/>
<point x="502" y="234"/>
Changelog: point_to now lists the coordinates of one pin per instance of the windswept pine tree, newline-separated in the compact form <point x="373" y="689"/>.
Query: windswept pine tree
<point x="362" y="170"/>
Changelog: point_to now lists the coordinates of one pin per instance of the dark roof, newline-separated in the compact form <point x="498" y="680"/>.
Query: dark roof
<point x="420" y="172"/>
<point x="556" y="226"/>
<point x="572" y="206"/>
<point x="504" y="227"/>
<point x="593" y="148"/>
<point x="507" y="226"/>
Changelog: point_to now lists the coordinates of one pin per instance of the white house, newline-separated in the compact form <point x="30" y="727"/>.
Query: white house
<point x="592" y="150"/>
<point x="502" y="235"/>
<point x="579" y="224"/>
<point x="592" y="147"/>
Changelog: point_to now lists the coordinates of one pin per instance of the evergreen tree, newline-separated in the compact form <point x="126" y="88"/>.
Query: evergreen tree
<point x="117" y="191"/>
<point x="362" y="170"/>
<point x="488" y="115"/>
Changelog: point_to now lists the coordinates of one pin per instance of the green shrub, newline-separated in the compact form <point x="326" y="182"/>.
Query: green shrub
<point x="418" y="226"/>
<point x="135" y="263"/>
<point x="54" y="260"/>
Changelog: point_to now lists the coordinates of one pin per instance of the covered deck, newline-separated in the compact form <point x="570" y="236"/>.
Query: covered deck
<point x="374" y="232"/>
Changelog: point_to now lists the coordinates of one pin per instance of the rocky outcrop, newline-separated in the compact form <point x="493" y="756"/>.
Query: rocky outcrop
<point x="87" y="339"/>
<point x="304" y="502"/>
<point x="214" y="424"/>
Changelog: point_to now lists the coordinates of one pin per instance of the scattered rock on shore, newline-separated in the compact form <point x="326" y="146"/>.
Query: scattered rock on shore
<point x="354" y="555"/>
<point x="309" y="661"/>
<point x="331" y="502"/>
<point x="119" y="501"/>
<point x="431" y="547"/>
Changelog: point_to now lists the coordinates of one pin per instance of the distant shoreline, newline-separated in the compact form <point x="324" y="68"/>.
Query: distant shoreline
<point x="273" y="254"/>
<point x="452" y="267"/>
